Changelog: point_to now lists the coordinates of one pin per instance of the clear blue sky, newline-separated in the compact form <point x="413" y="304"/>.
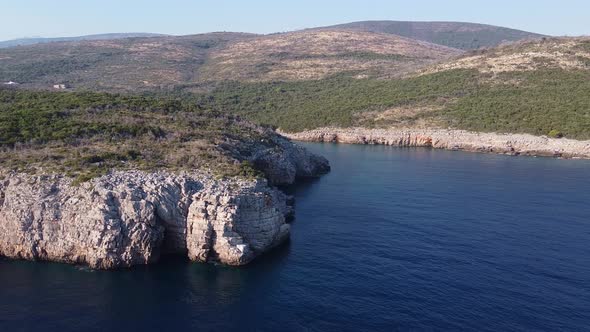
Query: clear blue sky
<point x="46" y="18"/>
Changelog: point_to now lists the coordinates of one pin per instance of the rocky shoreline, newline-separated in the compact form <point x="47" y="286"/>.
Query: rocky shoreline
<point x="511" y="144"/>
<point x="128" y="218"/>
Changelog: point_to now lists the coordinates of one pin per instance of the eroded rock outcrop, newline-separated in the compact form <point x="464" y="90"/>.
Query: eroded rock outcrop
<point x="130" y="218"/>
<point x="233" y="226"/>
<point x="279" y="159"/>
<point x="513" y="144"/>
<point x="289" y="162"/>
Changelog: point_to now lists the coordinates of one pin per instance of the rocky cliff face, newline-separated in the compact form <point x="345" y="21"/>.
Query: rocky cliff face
<point x="234" y="227"/>
<point x="128" y="218"/>
<point x="513" y="144"/>
<point x="279" y="159"/>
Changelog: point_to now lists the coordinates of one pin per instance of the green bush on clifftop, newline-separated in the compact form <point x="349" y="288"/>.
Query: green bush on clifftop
<point x="87" y="134"/>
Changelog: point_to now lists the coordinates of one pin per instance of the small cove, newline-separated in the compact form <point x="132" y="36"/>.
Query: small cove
<point x="391" y="239"/>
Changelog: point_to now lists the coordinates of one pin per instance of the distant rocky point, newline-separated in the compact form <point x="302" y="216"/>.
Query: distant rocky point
<point x="511" y="144"/>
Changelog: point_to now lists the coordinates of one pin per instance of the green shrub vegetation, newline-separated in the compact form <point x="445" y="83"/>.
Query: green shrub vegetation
<point x="555" y="134"/>
<point x="584" y="45"/>
<point x="87" y="134"/>
<point x="539" y="102"/>
<point x="534" y="102"/>
<point x="296" y="106"/>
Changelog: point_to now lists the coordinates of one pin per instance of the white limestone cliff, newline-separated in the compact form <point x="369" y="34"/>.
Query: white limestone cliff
<point x="130" y="218"/>
<point x="513" y="144"/>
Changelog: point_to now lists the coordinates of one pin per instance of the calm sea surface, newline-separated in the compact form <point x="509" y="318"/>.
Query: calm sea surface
<point x="391" y="239"/>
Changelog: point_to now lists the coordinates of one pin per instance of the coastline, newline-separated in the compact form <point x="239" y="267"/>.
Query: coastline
<point x="449" y="139"/>
<point x="133" y="217"/>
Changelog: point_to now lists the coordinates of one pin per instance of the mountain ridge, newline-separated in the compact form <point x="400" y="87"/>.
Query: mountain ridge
<point x="400" y="28"/>
<point x="461" y="35"/>
<point x="103" y="36"/>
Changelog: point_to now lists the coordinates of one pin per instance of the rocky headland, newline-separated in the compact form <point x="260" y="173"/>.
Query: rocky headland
<point x="512" y="144"/>
<point x="113" y="181"/>
<point x="130" y="217"/>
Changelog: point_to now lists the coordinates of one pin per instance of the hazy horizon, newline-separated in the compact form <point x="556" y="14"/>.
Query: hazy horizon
<point x="39" y="19"/>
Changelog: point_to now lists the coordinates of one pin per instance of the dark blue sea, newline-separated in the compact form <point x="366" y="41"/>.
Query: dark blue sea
<point x="391" y="239"/>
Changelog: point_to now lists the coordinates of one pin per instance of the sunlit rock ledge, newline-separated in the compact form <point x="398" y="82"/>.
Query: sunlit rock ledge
<point x="513" y="144"/>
